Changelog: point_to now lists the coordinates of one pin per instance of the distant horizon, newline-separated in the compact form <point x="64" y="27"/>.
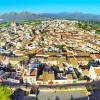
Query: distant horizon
<point x="47" y="12"/>
<point x="50" y="6"/>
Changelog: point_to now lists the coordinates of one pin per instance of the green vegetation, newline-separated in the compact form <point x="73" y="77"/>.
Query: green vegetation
<point x="80" y="78"/>
<point x="60" y="47"/>
<point x="97" y="27"/>
<point x="90" y="88"/>
<point x="37" y="22"/>
<point x="90" y="26"/>
<point x="24" y="21"/>
<point x="97" y="31"/>
<point x="74" y="81"/>
<point x="96" y="24"/>
<point x="86" y="25"/>
<point x="5" y="24"/>
<point x="5" y="93"/>
<point x="30" y="22"/>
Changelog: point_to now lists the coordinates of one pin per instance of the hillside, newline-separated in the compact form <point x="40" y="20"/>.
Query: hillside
<point x="64" y="15"/>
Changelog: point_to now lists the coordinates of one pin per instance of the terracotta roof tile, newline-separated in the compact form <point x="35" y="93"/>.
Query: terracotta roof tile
<point x="97" y="71"/>
<point x="97" y="56"/>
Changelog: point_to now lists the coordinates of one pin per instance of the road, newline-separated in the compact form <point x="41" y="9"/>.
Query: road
<point x="94" y="83"/>
<point x="56" y="95"/>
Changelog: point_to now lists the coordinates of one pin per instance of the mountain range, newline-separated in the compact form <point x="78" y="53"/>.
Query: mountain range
<point x="11" y="16"/>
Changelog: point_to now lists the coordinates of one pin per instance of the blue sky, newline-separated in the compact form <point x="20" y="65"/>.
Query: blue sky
<point x="50" y="6"/>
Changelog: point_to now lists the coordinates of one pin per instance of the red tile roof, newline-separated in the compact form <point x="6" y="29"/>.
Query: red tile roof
<point x="97" y="56"/>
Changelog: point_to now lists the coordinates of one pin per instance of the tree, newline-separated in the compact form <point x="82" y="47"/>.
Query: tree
<point x="80" y="25"/>
<point x="60" y="47"/>
<point x="5" y="93"/>
<point x="90" y="88"/>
